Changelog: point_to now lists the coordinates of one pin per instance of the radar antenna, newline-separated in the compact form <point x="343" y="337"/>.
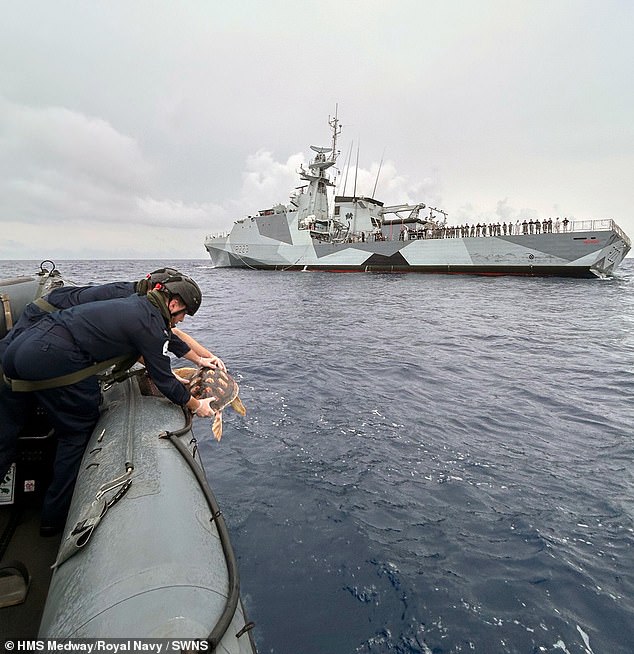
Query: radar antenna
<point x="378" y="173"/>
<point x="336" y="130"/>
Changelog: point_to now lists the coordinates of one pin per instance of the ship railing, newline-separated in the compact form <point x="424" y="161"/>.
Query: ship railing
<point x="621" y="233"/>
<point x="602" y="225"/>
<point x="606" y="224"/>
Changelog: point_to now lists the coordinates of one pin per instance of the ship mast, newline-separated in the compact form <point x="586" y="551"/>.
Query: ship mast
<point x="336" y="130"/>
<point x="315" y="208"/>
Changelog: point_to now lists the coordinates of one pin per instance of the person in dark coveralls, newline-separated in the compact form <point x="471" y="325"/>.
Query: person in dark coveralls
<point x="70" y="296"/>
<point x="15" y="407"/>
<point x="72" y="340"/>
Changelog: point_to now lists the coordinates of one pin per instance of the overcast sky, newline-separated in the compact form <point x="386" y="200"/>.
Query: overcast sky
<point x="132" y="129"/>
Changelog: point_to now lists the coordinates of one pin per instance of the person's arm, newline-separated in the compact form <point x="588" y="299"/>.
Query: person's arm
<point x="201" y="408"/>
<point x="198" y="354"/>
<point x="159" y="369"/>
<point x="205" y="362"/>
<point x="199" y="349"/>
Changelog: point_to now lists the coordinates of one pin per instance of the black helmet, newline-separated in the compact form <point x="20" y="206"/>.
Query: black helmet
<point x="186" y="288"/>
<point x="152" y="279"/>
<point x="161" y="275"/>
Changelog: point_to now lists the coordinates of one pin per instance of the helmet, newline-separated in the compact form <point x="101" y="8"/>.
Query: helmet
<point x="186" y="288"/>
<point x="161" y="275"/>
<point x="152" y="279"/>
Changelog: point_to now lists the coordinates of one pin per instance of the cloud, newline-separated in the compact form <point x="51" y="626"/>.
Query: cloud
<point x="77" y="174"/>
<point x="503" y="210"/>
<point x="175" y="213"/>
<point x="60" y="166"/>
<point x="41" y="139"/>
<point x="84" y="240"/>
<point x="500" y="212"/>
<point x="177" y="126"/>
<point x="74" y="185"/>
<point x="267" y="182"/>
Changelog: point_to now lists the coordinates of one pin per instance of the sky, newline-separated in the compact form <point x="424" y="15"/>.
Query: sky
<point x="132" y="129"/>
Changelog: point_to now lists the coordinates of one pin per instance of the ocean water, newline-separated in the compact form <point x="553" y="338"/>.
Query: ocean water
<point x="433" y="464"/>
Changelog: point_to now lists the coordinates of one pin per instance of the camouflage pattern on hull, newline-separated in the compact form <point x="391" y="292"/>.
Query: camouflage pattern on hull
<point x="570" y="254"/>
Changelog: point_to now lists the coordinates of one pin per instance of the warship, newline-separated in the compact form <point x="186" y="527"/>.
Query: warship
<point x="320" y="230"/>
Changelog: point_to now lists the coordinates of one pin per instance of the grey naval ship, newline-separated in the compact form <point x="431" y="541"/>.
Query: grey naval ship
<point x="348" y="233"/>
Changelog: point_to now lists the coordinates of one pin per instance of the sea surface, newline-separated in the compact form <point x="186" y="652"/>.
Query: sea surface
<point x="433" y="464"/>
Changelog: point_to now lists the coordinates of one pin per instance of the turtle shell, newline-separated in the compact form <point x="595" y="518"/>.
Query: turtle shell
<point x="214" y="383"/>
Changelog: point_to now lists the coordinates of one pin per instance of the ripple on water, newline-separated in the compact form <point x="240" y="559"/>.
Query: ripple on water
<point x="428" y="464"/>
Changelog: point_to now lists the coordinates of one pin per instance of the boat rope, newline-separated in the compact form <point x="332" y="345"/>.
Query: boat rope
<point x="233" y="596"/>
<point x="122" y="481"/>
<point x="84" y="529"/>
<point x="290" y="265"/>
<point x="120" y="373"/>
<point x="243" y="261"/>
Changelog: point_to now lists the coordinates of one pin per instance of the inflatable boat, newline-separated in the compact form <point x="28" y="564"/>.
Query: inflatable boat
<point x="145" y="552"/>
<point x="17" y="292"/>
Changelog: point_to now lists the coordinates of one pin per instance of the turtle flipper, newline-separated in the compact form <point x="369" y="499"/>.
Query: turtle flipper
<point x="186" y="373"/>
<point x="216" y="428"/>
<point x="236" y="405"/>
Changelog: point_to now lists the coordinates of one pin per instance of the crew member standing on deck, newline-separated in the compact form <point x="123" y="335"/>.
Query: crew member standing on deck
<point x="71" y="341"/>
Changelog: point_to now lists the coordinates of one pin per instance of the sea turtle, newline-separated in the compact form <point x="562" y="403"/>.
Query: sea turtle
<point x="215" y="383"/>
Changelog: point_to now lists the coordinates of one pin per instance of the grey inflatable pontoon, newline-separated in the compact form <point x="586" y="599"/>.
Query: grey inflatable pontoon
<point x="145" y="552"/>
<point x="17" y="292"/>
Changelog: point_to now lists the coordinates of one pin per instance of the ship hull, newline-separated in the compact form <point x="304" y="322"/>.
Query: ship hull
<point x="258" y="245"/>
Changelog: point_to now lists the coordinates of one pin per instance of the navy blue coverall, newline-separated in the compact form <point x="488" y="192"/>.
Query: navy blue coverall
<point x="14" y="407"/>
<point x="71" y="340"/>
<point x="64" y="298"/>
